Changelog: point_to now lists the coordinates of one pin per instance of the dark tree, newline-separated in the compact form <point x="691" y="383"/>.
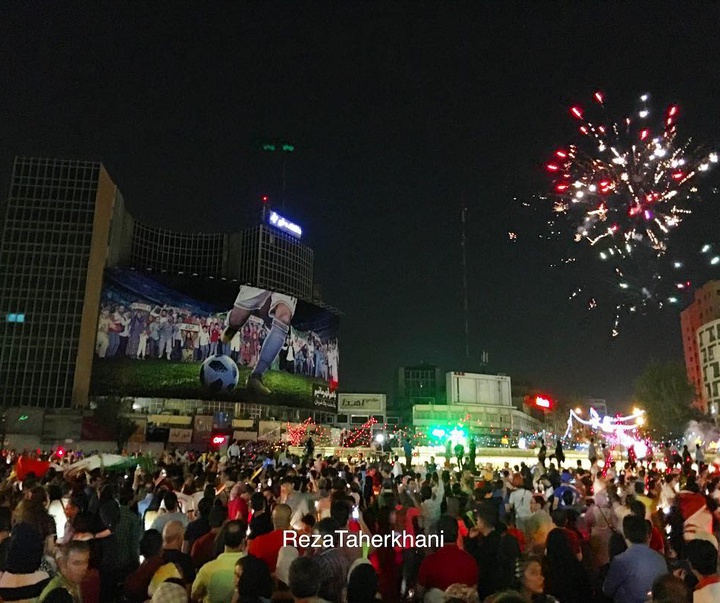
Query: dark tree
<point x="666" y="394"/>
<point x="111" y="413"/>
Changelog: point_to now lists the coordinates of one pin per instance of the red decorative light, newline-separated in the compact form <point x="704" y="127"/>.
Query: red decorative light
<point x="577" y="112"/>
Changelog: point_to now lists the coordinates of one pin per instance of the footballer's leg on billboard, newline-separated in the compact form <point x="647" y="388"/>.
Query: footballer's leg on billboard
<point x="282" y="309"/>
<point x="249" y="299"/>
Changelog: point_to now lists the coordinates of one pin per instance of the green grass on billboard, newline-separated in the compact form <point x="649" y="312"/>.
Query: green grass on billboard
<point x="163" y="379"/>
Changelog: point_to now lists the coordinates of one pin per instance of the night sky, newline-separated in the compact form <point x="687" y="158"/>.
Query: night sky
<point x="396" y="113"/>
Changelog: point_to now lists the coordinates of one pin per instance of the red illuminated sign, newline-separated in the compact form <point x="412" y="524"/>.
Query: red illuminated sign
<point x="542" y="402"/>
<point x="218" y="440"/>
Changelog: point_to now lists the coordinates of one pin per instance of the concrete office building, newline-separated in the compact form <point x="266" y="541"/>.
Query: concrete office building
<point x="704" y="309"/>
<point x="708" y="342"/>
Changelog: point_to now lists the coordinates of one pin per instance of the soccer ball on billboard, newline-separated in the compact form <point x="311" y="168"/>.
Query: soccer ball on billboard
<point x="219" y="374"/>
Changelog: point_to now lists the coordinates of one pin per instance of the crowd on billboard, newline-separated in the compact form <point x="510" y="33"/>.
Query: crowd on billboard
<point x="140" y="331"/>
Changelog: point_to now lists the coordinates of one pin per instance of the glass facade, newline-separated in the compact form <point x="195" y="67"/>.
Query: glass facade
<point x="44" y="255"/>
<point x="273" y="260"/>
<point x="176" y="252"/>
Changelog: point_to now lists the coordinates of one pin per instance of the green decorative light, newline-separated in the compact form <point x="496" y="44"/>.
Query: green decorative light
<point x="268" y="147"/>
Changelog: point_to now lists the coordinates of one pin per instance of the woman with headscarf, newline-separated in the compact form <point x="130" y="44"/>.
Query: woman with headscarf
<point x="32" y="510"/>
<point x="519" y="501"/>
<point x="461" y="593"/>
<point x="23" y="581"/>
<point x="601" y="522"/>
<point x="566" y="577"/>
<point x="386" y="560"/>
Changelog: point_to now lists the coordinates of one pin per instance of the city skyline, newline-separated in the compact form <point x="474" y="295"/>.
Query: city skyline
<point x="397" y="119"/>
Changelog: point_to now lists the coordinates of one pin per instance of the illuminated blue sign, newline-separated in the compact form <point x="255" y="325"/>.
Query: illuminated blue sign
<point x="285" y="225"/>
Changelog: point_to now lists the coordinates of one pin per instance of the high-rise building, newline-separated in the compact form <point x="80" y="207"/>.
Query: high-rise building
<point x="704" y="309"/>
<point x="55" y="236"/>
<point x="262" y="255"/>
<point x="274" y="260"/>
<point x="62" y="224"/>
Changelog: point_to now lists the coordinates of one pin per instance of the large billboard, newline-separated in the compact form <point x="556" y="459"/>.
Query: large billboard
<point x="162" y="336"/>
<point x="474" y="388"/>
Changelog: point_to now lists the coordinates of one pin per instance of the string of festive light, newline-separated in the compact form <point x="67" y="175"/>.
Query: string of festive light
<point x="362" y="435"/>
<point x="619" y="429"/>
<point x="296" y="433"/>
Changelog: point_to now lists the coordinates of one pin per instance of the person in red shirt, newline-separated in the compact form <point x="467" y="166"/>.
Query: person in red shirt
<point x="657" y="540"/>
<point x="238" y="503"/>
<point x="559" y="517"/>
<point x="514" y="532"/>
<point x="267" y="546"/>
<point x="449" y="564"/>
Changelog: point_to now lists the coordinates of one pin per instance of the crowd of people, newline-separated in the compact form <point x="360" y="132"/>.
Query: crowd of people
<point x="141" y="332"/>
<point x="214" y="528"/>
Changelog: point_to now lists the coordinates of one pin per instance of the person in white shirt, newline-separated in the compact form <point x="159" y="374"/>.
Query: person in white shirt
<point x="297" y="502"/>
<point x="57" y="510"/>
<point x="397" y="469"/>
<point x="668" y="491"/>
<point x="233" y="451"/>
<point x="186" y="502"/>
<point x="430" y="506"/>
<point x="519" y="501"/>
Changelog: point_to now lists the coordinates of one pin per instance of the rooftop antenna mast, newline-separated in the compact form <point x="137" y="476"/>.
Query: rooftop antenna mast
<point x="463" y="244"/>
<point x="284" y="148"/>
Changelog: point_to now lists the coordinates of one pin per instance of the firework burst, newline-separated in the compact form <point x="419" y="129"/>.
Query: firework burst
<point x="625" y="184"/>
<point x="622" y="190"/>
